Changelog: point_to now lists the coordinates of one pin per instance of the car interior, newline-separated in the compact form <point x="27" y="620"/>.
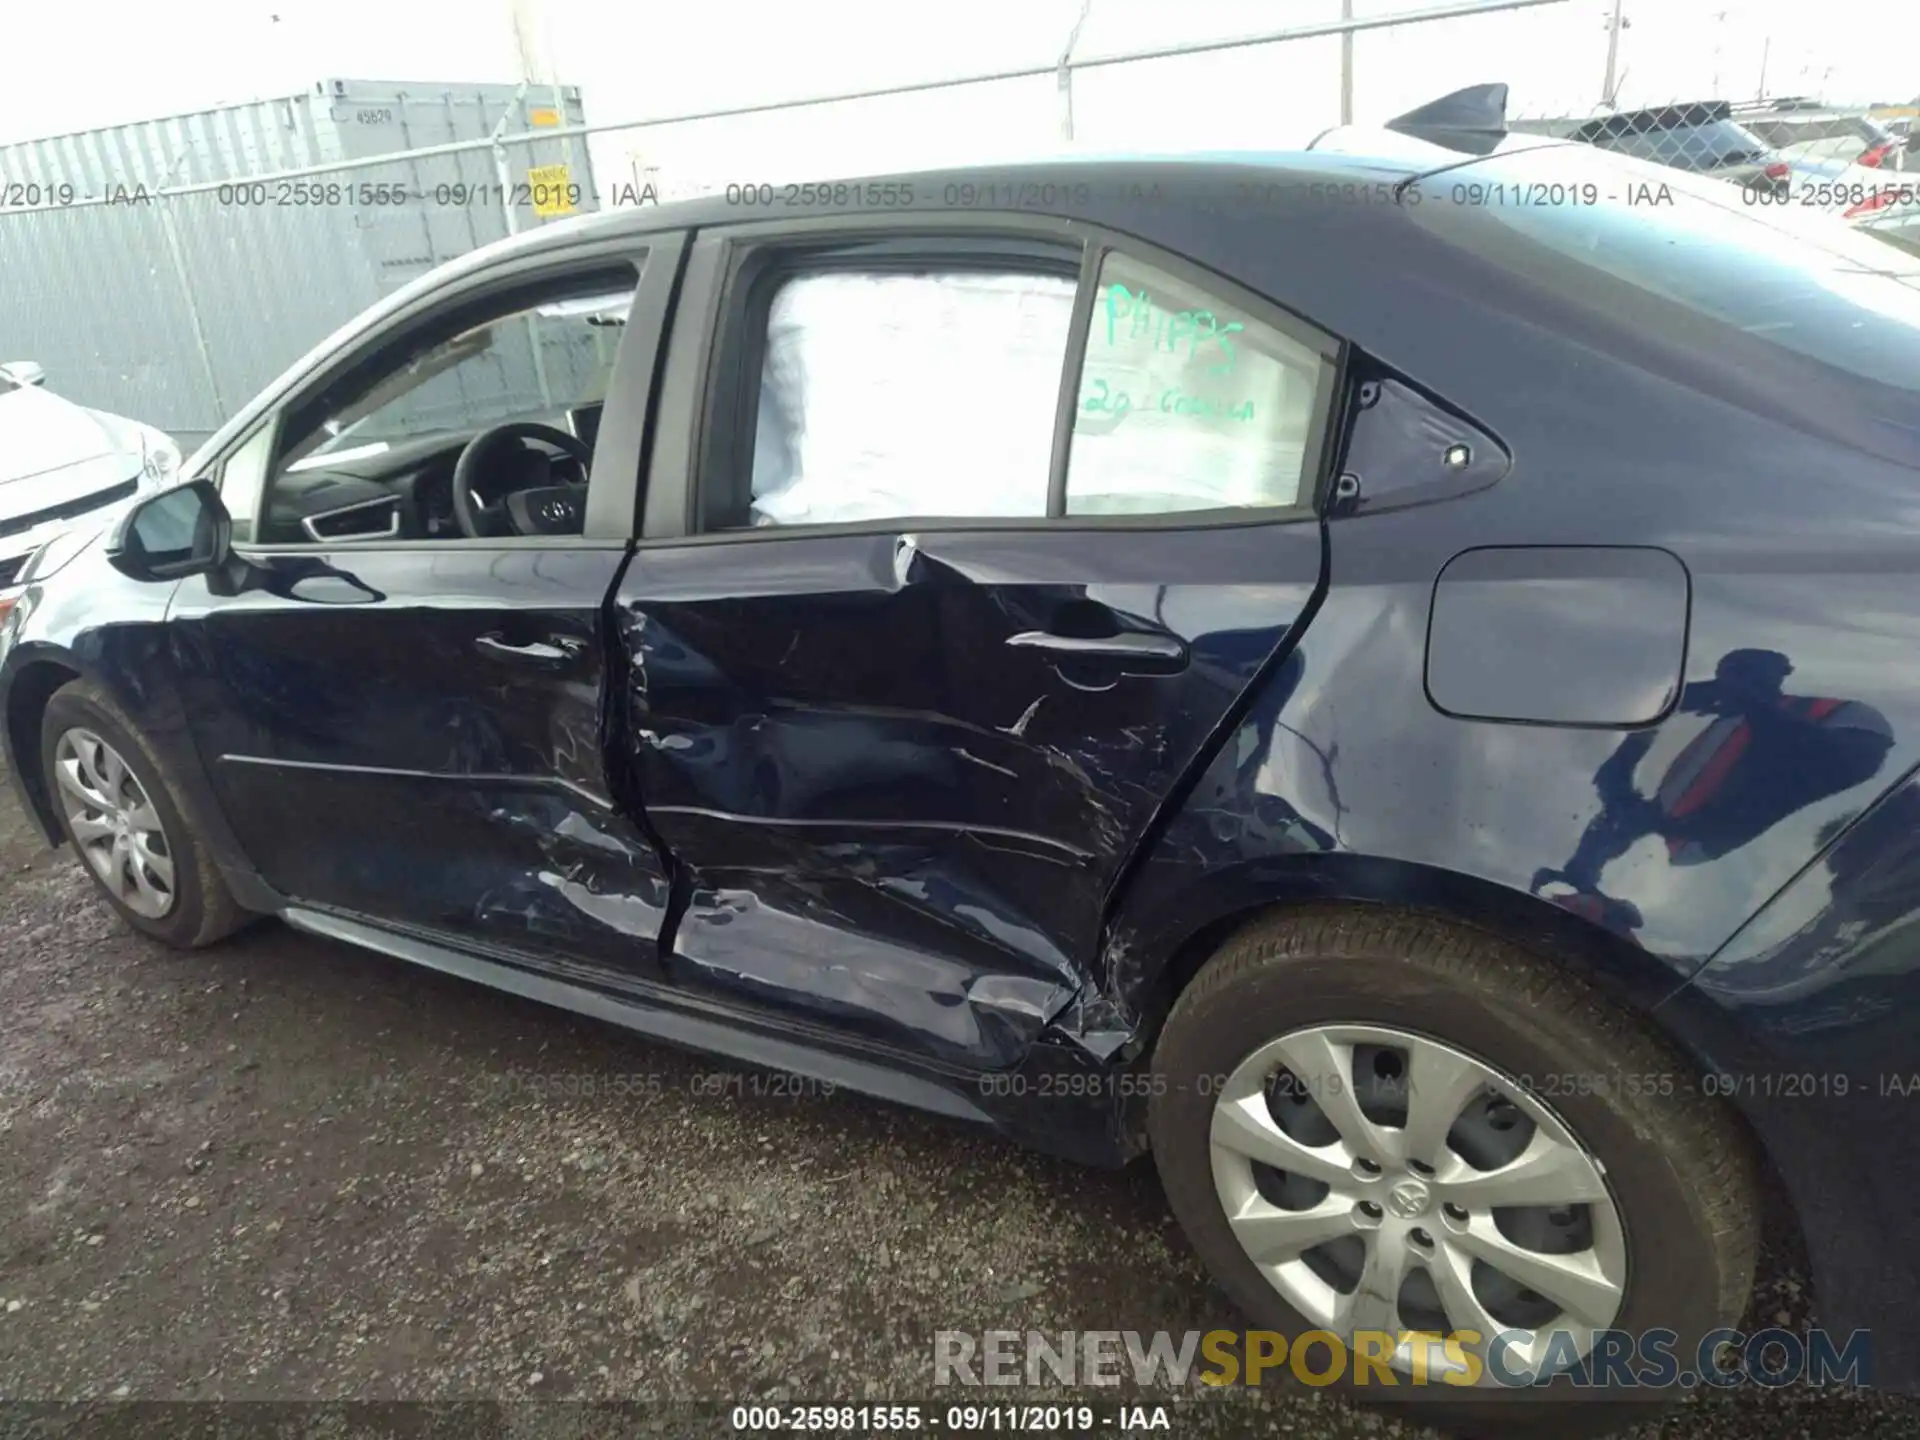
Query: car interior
<point x="483" y="427"/>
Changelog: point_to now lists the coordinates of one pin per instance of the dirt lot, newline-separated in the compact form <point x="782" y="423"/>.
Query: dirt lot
<point x="284" y="1170"/>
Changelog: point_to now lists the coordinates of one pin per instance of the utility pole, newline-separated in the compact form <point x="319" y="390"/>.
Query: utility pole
<point x="1613" y="54"/>
<point x="530" y="41"/>
<point x="533" y="48"/>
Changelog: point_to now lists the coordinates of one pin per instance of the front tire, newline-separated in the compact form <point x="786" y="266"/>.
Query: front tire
<point x="120" y="809"/>
<point x="1368" y="1119"/>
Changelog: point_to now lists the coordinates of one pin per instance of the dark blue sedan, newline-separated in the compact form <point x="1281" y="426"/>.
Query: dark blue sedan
<point x="1384" y="677"/>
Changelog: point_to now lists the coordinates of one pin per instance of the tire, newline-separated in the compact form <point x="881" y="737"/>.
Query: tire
<point x="1674" y="1221"/>
<point x="199" y="908"/>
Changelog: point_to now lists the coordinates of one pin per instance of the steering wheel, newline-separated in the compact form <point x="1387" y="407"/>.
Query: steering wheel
<point x="519" y="496"/>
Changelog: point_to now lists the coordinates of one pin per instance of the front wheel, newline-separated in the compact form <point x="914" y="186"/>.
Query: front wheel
<point x="1377" y="1124"/>
<point x="120" y="809"/>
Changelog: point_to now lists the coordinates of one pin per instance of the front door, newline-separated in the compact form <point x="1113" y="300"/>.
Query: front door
<point x="971" y="549"/>
<point x="401" y="701"/>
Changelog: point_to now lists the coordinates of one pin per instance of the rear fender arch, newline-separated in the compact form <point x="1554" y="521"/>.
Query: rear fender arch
<point x="1155" y="946"/>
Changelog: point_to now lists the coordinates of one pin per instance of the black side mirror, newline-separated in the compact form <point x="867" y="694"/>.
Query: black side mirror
<point x="182" y="531"/>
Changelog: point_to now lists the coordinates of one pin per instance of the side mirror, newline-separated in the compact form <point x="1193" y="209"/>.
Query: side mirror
<point x="25" y="372"/>
<point x="182" y="531"/>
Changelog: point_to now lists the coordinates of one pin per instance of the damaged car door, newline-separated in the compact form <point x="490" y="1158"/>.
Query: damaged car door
<point x="960" y="546"/>
<point x="399" y="703"/>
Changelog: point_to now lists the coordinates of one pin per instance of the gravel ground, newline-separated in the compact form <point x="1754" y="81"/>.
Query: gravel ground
<point x="283" y="1170"/>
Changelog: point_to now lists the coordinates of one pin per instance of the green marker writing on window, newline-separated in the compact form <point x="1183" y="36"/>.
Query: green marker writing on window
<point x="1105" y="400"/>
<point x="1167" y="330"/>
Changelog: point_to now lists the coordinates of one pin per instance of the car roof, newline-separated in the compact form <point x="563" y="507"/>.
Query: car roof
<point x="1680" y="112"/>
<point x="1804" y="117"/>
<point x="1652" y="117"/>
<point x="1117" y="165"/>
<point x="1388" y="159"/>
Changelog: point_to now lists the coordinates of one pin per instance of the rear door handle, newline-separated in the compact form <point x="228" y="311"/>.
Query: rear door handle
<point x="1127" y="645"/>
<point x="536" y="650"/>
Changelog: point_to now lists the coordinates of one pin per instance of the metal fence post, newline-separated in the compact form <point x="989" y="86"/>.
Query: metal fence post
<point x="503" y="173"/>
<point x="1346" y="65"/>
<point x="503" y="182"/>
<point x="205" y="350"/>
<point x="1063" y="73"/>
<point x="1610" y="86"/>
<point x="560" y="109"/>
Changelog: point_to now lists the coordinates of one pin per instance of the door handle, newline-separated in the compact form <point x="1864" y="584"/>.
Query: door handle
<point x="1127" y="645"/>
<point x="537" y="650"/>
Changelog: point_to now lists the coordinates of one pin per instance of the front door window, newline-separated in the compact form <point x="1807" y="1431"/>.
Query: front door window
<point x="374" y="456"/>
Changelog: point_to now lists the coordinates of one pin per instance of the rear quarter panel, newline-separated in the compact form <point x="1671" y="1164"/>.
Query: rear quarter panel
<point x="1783" y="486"/>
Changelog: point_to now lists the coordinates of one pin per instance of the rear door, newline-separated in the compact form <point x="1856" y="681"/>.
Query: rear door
<point x="961" y="544"/>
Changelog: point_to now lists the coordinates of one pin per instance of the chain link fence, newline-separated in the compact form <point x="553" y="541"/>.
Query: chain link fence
<point x="169" y="271"/>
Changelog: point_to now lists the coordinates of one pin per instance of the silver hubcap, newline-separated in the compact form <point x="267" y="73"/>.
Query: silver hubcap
<point x="114" y="824"/>
<point x="1382" y="1181"/>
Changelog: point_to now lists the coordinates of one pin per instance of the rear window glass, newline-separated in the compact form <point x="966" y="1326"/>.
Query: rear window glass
<point x="1186" y="402"/>
<point x="1796" y="279"/>
<point x="1700" y="143"/>
<point x="1819" y="137"/>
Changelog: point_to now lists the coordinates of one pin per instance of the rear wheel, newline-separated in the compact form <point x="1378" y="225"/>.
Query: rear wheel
<point x="120" y="809"/>
<point x="1372" y="1121"/>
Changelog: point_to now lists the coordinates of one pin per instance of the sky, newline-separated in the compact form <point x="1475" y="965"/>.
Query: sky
<point x="636" y="61"/>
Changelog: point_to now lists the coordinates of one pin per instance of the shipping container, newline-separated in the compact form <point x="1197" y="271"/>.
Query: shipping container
<point x="175" y="309"/>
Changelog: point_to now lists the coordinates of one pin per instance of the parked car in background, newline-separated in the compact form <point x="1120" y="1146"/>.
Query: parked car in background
<point x="1898" y="227"/>
<point x="1841" y="161"/>
<point x="1404" y="712"/>
<point x="1805" y="130"/>
<point x="60" y="462"/>
<point x="1851" y="192"/>
<point x="1826" y="170"/>
<point x="1701" y="137"/>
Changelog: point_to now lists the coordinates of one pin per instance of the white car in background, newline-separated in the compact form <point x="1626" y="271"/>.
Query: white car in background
<point x="60" y="461"/>
<point x="1883" y="201"/>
